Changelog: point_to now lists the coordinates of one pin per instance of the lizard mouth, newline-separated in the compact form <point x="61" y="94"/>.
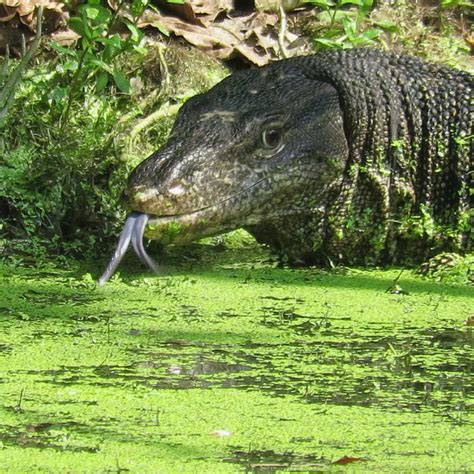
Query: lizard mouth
<point x="181" y="228"/>
<point x="223" y="216"/>
<point x="174" y="228"/>
<point x="132" y="232"/>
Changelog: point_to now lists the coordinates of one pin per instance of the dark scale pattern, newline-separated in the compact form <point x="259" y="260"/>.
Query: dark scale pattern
<point x="375" y="161"/>
<point x="404" y="119"/>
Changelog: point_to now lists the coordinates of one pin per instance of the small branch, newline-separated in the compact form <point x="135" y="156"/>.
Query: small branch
<point x="8" y="93"/>
<point x="4" y="70"/>
<point x="164" y="111"/>
<point x="282" y="32"/>
<point x="74" y="87"/>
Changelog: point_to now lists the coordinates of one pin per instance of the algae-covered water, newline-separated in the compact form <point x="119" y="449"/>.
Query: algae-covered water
<point x="226" y="363"/>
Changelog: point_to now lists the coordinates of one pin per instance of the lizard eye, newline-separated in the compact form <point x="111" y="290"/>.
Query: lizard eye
<point x="271" y="138"/>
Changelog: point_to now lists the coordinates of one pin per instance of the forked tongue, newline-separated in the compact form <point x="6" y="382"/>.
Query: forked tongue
<point x="132" y="231"/>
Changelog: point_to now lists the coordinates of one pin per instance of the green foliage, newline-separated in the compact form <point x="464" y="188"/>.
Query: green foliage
<point x="450" y="268"/>
<point x="456" y="4"/>
<point x="59" y="188"/>
<point x="62" y="168"/>
<point x="62" y="176"/>
<point x="99" y="47"/>
<point x="346" y="24"/>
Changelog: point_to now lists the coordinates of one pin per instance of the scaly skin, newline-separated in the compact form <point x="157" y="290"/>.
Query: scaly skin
<point x="356" y="156"/>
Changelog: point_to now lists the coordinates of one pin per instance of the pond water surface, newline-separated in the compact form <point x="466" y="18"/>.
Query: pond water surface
<point x="229" y="364"/>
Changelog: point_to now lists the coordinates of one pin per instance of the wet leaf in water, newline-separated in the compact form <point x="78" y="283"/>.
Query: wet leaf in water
<point x="347" y="460"/>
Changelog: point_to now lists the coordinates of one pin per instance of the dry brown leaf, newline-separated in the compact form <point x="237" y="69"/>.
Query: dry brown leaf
<point x="209" y="11"/>
<point x="26" y="7"/>
<point x="113" y="5"/>
<point x="221" y="28"/>
<point x="250" y="36"/>
<point x="215" y="41"/>
<point x="267" y="5"/>
<point x="348" y="459"/>
<point x="65" y="37"/>
<point x="263" y="27"/>
<point x="12" y="3"/>
<point x="184" y="11"/>
<point x="54" y="15"/>
<point x="7" y="13"/>
<point x="199" y="12"/>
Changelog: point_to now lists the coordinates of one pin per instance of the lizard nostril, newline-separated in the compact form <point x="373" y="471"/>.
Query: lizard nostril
<point x="177" y="190"/>
<point x="139" y="197"/>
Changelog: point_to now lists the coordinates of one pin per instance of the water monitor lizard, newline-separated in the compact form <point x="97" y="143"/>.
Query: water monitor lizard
<point x="356" y="156"/>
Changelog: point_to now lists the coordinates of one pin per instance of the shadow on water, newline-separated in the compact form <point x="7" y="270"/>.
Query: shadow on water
<point x="254" y="264"/>
<point x="407" y="372"/>
<point x="271" y="461"/>
<point x="322" y="279"/>
<point x="44" y="435"/>
<point x="63" y="437"/>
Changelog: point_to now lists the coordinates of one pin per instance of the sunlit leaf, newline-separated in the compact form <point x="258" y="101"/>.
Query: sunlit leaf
<point x="61" y="49"/>
<point x="100" y="64"/>
<point x="138" y="6"/>
<point x="137" y="34"/>
<point x="329" y="43"/>
<point x="387" y="25"/>
<point x="326" y="4"/>
<point x="91" y="12"/>
<point x="352" y="2"/>
<point x="101" y="82"/>
<point x="77" y="25"/>
<point x="122" y="82"/>
<point x="370" y="34"/>
<point x="99" y="14"/>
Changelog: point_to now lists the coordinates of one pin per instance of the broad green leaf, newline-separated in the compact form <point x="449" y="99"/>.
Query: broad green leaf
<point x="91" y="12"/>
<point x="58" y="94"/>
<point x="451" y="3"/>
<point x="62" y="50"/>
<point x="352" y="2"/>
<point x="104" y="16"/>
<point x="140" y="50"/>
<point x="100" y="64"/>
<point x="101" y="82"/>
<point x="114" y="40"/>
<point x="113" y="46"/>
<point x="71" y="65"/>
<point x="99" y="14"/>
<point x="370" y="34"/>
<point x="77" y="25"/>
<point x="350" y="26"/>
<point x="329" y="43"/>
<point x="122" y="82"/>
<point x="137" y="35"/>
<point x="325" y="4"/>
<point x="327" y="16"/>
<point x="387" y="25"/>
<point x="161" y="28"/>
<point x="138" y="6"/>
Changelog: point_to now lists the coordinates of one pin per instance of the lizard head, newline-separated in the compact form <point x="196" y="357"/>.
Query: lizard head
<point x="260" y="145"/>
